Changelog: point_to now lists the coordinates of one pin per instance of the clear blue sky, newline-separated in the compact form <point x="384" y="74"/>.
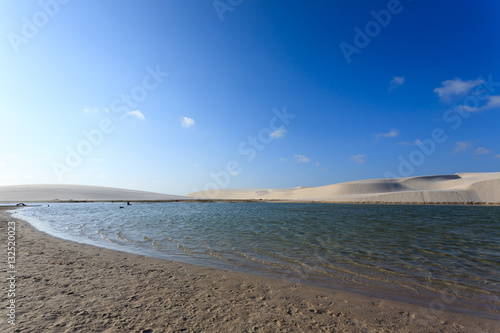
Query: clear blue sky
<point x="178" y="95"/>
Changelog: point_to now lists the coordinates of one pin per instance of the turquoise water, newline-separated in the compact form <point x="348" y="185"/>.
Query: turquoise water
<point x="445" y="253"/>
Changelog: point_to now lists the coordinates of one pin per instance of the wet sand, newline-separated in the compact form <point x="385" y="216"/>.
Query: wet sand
<point x="62" y="286"/>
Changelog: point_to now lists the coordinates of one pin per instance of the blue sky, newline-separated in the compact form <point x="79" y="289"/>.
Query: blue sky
<point x="178" y="96"/>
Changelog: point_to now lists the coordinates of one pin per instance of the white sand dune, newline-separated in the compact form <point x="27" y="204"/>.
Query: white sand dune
<point x="49" y="193"/>
<point x="483" y="188"/>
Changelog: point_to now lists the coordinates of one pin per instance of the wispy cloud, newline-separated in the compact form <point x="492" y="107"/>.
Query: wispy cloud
<point x="187" y="122"/>
<point x="396" y="82"/>
<point x="492" y="103"/>
<point x="279" y="133"/>
<point x="391" y="134"/>
<point x="461" y="146"/>
<point x="412" y="143"/>
<point x="456" y="87"/>
<point x="137" y="114"/>
<point x="482" y="151"/>
<point x="302" y="159"/>
<point x="360" y="158"/>
<point x="89" y="110"/>
<point x="497" y="156"/>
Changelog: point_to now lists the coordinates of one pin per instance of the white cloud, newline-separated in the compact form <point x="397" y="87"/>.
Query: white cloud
<point x="497" y="156"/>
<point x="137" y="114"/>
<point x="461" y="146"/>
<point x="396" y="82"/>
<point x="360" y="158"/>
<point x="391" y="134"/>
<point x="283" y="160"/>
<point x="413" y="143"/>
<point x="482" y="151"/>
<point x="456" y="87"/>
<point x="187" y="122"/>
<point x="467" y="108"/>
<point x="279" y="133"/>
<point x="89" y="110"/>
<point x="234" y="173"/>
<point x="302" y="159"/>
<point x="492" y="103"/>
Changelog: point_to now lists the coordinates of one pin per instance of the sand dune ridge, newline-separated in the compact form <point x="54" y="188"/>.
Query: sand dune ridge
<point x="480" y="188"/>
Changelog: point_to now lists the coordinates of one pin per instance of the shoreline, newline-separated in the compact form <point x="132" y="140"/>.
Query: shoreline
<point x="198" y="200"/>
<point x="66" y="285"/>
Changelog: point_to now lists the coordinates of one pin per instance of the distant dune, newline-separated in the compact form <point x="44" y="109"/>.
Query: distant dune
<point x="50" y="193"/>
<point x="481" y="188"/>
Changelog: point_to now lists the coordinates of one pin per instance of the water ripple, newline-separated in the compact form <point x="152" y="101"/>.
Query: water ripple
<point x="421" y="250"/>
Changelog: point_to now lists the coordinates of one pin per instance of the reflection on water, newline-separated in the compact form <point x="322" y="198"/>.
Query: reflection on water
<point x="406" y="249"/>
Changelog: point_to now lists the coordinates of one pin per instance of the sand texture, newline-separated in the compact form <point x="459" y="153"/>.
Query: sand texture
<point x="63" y="286"/>
<point x="54" y="193"/>
<point x="461" y="188"/>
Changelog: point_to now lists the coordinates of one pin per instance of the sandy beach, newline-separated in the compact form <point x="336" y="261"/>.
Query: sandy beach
<point x="62" y="286"/>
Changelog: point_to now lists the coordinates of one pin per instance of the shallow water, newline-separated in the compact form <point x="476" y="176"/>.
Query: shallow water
<point x="449" y="255"/>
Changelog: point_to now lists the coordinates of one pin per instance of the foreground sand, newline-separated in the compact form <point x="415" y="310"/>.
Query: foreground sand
<point x="69" y="287"/>
<point x="460" y="188"/>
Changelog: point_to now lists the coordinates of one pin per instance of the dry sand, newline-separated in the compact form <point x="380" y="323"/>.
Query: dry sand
<point x="461" y="188"/>
<point x="62" y="286"/>
<point x="54" y="193"/>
